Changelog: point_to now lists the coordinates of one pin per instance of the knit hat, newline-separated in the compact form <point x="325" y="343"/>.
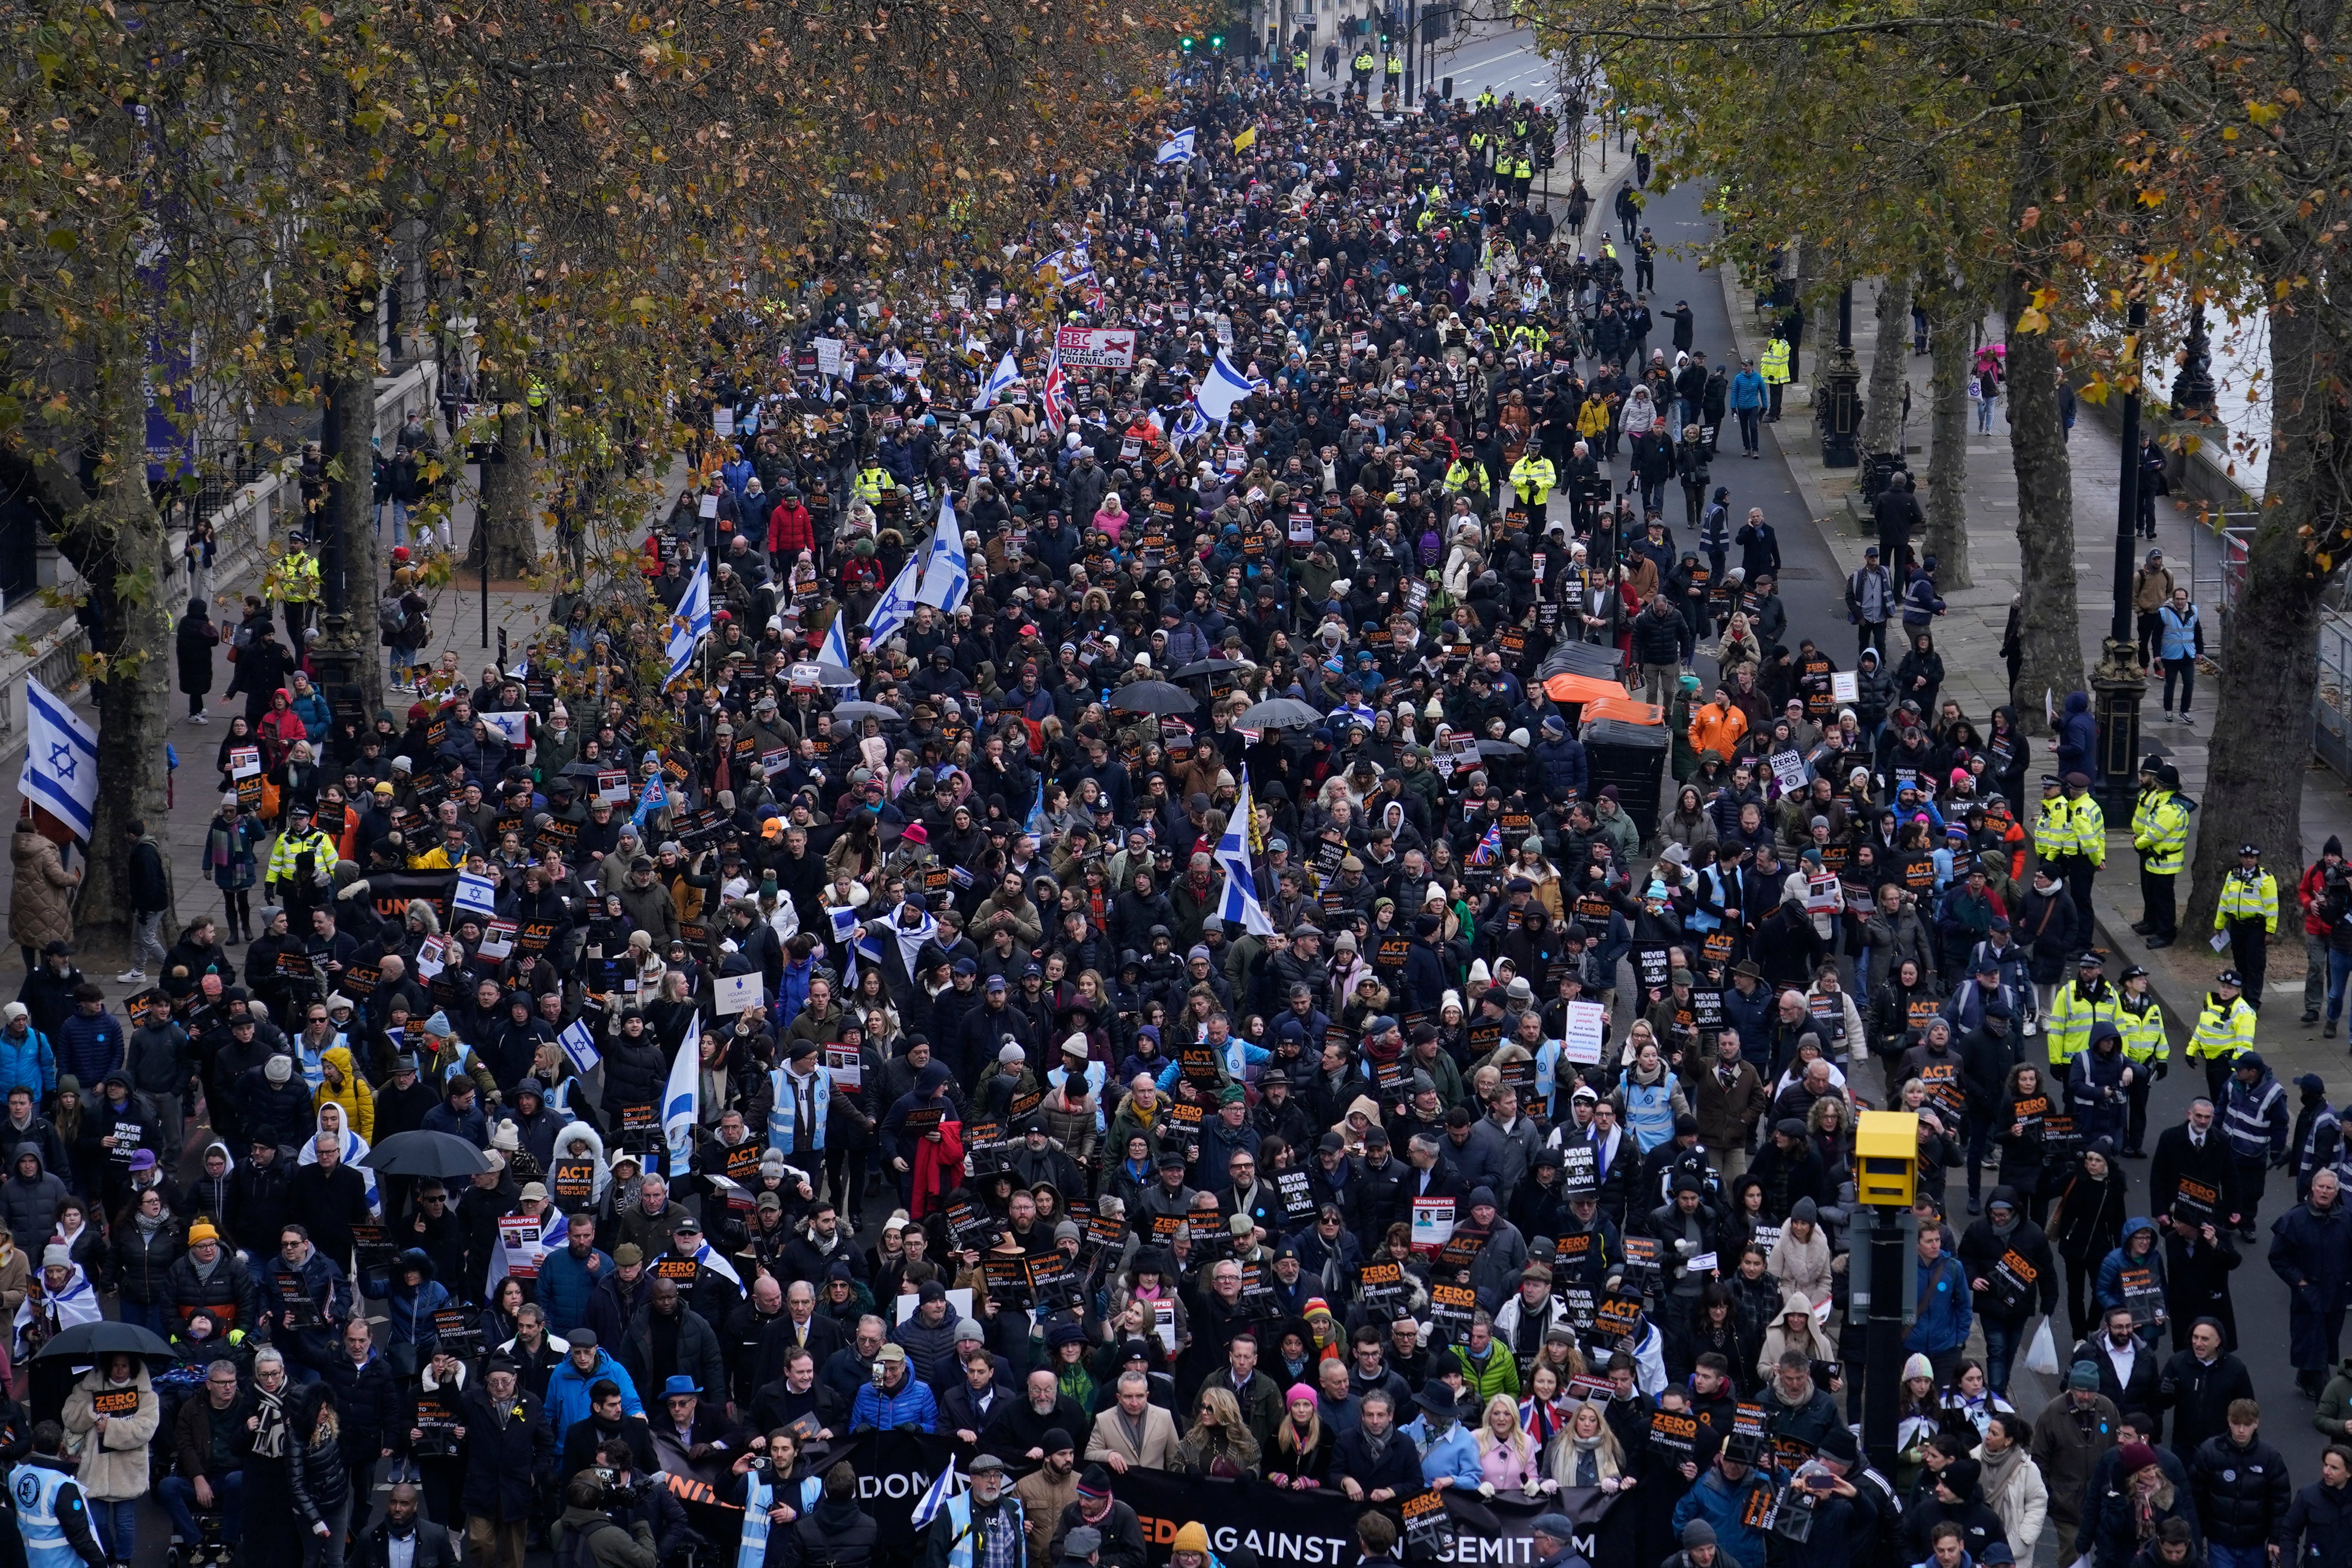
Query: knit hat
<point x="1297" y="1392"/>
<point x="1918" y="1366"/>
<point x="56" y="1255"/>
<point x="1193" y="1537"/>
<point x="2083" y="1374"/>
<point x="1316" y="1304"/>
<point x="203" y="1230"/>
<point x="279" y="1069"/>
<point x="2132" y="1458"/>
<point x="1095" y="1482"/>
<point x="1697" y="1533"/>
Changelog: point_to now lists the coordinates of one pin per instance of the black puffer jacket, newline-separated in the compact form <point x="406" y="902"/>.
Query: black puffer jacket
<point x="314" y="1461"/>
<point x="2241" y="1493"/>
<point x="634" y="1075"/>
<point x="142" y="1258"/>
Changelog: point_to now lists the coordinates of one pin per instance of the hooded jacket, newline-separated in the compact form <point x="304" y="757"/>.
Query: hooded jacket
<point x="29" y="1206"/>
<point x="356" y="1099"/>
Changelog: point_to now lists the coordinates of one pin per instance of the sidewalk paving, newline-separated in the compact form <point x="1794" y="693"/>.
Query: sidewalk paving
<point x="1969" y="635"/>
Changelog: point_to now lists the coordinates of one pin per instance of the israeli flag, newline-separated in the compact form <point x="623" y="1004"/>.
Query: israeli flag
<point x="579" y="1043"/>
<point x="692" y="624"/>
<point x="478" y="894"/>
<point x="1223" y="390"/>
<point x="946" y="570"/>
<point x="513" y="728"/>
<point x="60" y="772"/>
<point x="1190" y="427"/>
<point x="1177" y="148"/>
<point x="897" y="605"/>
<point x="935" y="1497"/>
<point x="717" y="1263"/>
<point x="836" y="647"/>
<point x="999" y="381"/>
<point x="1240" y="903"/>
<point x="682" y="1102"/>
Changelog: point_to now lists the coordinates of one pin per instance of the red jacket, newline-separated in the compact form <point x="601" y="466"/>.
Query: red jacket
<point x="789" y="529"/>
<point x="2307" y="891"/>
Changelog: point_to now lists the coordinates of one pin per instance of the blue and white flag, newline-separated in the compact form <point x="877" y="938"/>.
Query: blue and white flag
<point x="946" y="570"/>
<point x="715" y="1261"/>
<point x="897" y="605"/>
<point x="935" y="1496"/>
<point x="1000" y="382"/>
<point x="652" y="798"/>
<point x="579" y="1043"/>
<point x="692" y="624"/>
<point x="1240" y="901"/>
<point x="836" y="649"/>
<point x="513" y="728"/>
<point x="682" y="1102"/>
<point x="1190" y="427"/>
<point x="478" y="894"/>
<point x="60" y="772"/>
<point x="1177" y="148"/>
<point x="1223" y="389"/>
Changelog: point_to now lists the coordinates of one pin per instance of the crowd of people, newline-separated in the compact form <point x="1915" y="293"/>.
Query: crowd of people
<point x="1494" y="1135"/>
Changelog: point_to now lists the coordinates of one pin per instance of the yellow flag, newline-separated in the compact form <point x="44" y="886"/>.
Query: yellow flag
<point x="1246" y="139"/>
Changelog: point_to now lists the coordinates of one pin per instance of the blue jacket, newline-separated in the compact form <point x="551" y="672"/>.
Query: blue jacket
<point x="1748" y="390"/>
<point x="2078" y="735"/>
<point x="1456" y="1454"/>
<point x="1726" y="1507"/>
<point x="2110" y="1286"/>
<point x="2178" y="637"/>
<point x="565" y="1285"/>
<point x="568" y="1386"/>
<point x="1561" y="765"/>
<point x="90" y="1049"/>
<point x="912" y="1408"/>
<point x="32" y="1062"/>
<point x="1943" y="1322"/>
<point x="411" y="1311"/>
<point x="315" y="714"/>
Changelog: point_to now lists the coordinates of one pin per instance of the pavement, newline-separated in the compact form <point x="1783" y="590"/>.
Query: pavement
<point x="1821" y="543"/>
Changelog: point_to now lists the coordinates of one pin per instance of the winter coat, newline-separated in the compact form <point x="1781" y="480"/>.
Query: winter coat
<point x="503" y="1462"/>
<point x="2321" y="1518"/>
<point x="1727" y="1506"/>
<point x="2066" y="1448"/>
<point x="29" y="1209"/>
<point x="2241" y="1493"/>
<point x="114" y="1470"/>
<point x="142" y="1259"/>
<point x="40" y="911"/>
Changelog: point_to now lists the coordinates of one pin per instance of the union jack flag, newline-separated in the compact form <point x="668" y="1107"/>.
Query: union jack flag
<point x="1490" y="848"/>
<point x="1058" y="404"/>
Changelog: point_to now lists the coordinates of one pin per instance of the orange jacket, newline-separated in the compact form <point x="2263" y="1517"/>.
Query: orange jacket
<point x="1717" y="728"/>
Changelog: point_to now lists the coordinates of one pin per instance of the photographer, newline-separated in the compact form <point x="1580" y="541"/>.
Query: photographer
<point x="610" y="1544"/>
<point x="636" y="1496"/>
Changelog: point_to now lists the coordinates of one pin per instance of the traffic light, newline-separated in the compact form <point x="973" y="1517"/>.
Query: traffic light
<point x="1185" y="45"/>
<point x="1384" y="40"/>
<point x="1216" y="42"/>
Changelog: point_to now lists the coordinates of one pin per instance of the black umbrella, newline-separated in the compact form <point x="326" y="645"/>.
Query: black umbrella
<point x="88" y="1342"/>
<point x="1210" y="667"/>
<point x="426" y="1154"/>
<point x="1280" y="713"/>
<point x="854" y="710"/>
<point x="1500" y="749"/>
<point x="1153" y="697"/>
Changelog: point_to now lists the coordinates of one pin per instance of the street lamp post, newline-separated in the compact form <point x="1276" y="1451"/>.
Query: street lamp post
<point x="2119" y="682"/>
<point x="1837" y="394"/>
<point x="2193" y="389"/>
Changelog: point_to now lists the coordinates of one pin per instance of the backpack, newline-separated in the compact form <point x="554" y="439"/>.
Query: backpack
<point x="576" y="1552"/>
<point x="390" y="617"/>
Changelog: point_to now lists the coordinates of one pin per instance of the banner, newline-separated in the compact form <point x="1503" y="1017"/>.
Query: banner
<point x="895" y="1470"/>
<point x="391" y="891"/>
<point x="1096" y="347"/>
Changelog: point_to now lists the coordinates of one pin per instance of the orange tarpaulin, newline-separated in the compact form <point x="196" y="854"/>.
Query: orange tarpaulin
<point x="1621" y="708"/>
<point x="1569" y="687"/>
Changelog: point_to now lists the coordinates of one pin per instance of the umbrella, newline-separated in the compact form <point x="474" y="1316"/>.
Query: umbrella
<point x="857" y="710"/>
<point x="1500" y="749"/>
<point x="1210" y="667"/>
<point x="86" y="1342"/>
<point x="426" y="1154"/>
<point x="1280" y="713"/>
<point x="1153" y="697"/>
<point x="831" y="674"/>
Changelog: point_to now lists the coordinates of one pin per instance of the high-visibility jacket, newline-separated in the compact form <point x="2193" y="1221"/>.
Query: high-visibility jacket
<point x="297" y="578"/>
<point x="1463" y="476"/>
<point x="1298" y="59"/>
<point x="2072" y="1011"/>
<point x="2225" y="1030"/>
<point x="285" y="858"/>
<point x="1523" y="169"/>
<point x="1532" y="477"/>
<point x="2245" y="898"/>
<point x="1486" y="98"/>
<point x="1396" y="65"/>
<point x="1776" y="362"/>
<point x="2141" y="1024"/>
<point x="872" y="481"/>
<point x="2088" y="826"/>
<point x="1363" y="62"/>
<point x="2161" y="831"/>
<point x="2053" y="830"/>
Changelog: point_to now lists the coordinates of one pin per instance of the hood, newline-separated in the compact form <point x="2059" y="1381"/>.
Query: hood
<point x="569" y="1130"/>
<point x="2134" y="1226"/>
<point x="1869" y="660"/>
<point x="2077" y="702"/>
<point x="415" y="1257"/>
<point x="340" y="1058"/>
<point x="42" y="1168"/>
<point x="227" y="1171"/>
<point x="1795" y="1301"/>
<point x="1369" y="1106"/>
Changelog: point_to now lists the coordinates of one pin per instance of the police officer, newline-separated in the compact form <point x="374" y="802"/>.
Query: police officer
<point x="52" y="1516"/>
<point x="2224" y="1032"/>
<point x="2085" y="1000"/>
<point x="2087" y="827"/>
<point x="2139" y="1019"/>
<point x="1777" y="352"/>
<point x="2248" y="911"/>
<point x="2160" y="834"/>
<point x="1532" y="479"/>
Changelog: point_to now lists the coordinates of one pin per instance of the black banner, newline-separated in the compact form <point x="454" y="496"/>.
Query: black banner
<point x="1314" y="1528"/>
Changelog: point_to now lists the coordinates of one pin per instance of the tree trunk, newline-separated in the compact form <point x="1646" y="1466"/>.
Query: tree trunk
<point x="1881" y="415"/>
<point x="351" y="507"/>
<point x="504" y="523"/>
<point x="114" y="536"/>
<point x="2270" y="653"/>
<point x="1948" y="519"/>
<point x="2048" y="621"/>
